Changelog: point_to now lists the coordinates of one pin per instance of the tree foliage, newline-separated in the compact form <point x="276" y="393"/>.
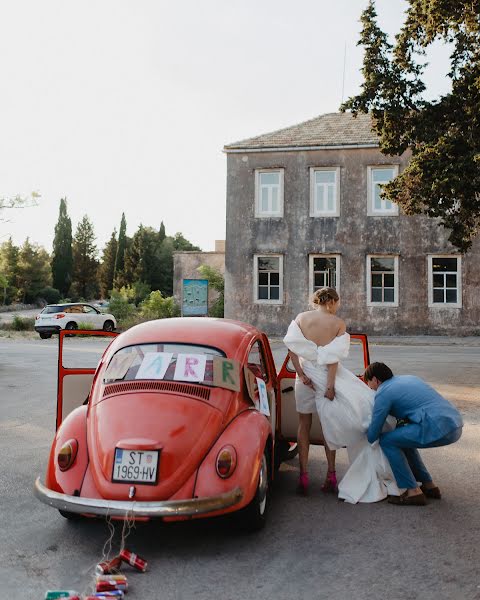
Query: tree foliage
<point x="120" y="256"/>
<point x="33" y="271"/>
<point x="85" y="260"/>
<point x="217" y="282"/>
<point x="106" y="271"/>
<point x="62" y="256"/>
<point x="443" y="177"/>
<point x="9" y="269"/>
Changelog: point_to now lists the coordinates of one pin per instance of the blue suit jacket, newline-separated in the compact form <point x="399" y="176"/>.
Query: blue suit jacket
<point x="407" y="396"/>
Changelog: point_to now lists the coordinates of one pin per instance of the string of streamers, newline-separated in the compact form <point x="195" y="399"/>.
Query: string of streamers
<point x="128" y="525"/>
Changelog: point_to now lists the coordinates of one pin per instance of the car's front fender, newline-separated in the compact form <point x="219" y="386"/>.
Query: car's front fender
<point x="249" y="433"/>
<point x="70" y="481"/>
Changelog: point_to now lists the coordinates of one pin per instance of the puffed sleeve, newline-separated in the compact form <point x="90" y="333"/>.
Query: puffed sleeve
<point x="335" y="351"/>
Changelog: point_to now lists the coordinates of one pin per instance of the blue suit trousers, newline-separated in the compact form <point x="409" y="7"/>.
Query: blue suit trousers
<point x="400" y="447"/>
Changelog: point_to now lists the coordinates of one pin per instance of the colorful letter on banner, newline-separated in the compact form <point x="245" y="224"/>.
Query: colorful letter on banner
<point x="119" y="365"/>
<point x="154" y="365"/>
<point x="190" y="367"/>
<point x="226" y="373"/>
<point x="262" y="393"/>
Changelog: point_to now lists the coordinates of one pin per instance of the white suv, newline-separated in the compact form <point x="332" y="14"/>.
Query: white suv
<point x="77" y="315"/>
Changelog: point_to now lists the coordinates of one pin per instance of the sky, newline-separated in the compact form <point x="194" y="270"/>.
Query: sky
<point x="125" y="106"/>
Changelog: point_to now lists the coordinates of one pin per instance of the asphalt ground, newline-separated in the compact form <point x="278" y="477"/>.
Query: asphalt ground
<point x="314" y="547"/>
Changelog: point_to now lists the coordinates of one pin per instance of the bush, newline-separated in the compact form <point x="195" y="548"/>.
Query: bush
<point x="158" y="307"/>
<point x="85" y="325"/>
<point x="120" y="307"/>
<point x="49" y="295"/>
<point x="22" y="324"/>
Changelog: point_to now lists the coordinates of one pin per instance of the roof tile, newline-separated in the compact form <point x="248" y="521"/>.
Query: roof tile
<point x="332" y="129"/>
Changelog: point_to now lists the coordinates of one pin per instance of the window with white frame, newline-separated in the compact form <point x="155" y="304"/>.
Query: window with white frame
<point x="323" y="271"/>
<point x="269" y="193"/>
<point x="382" y="280"/>
<point x="324" y="192"/>
<point x="378" y="177"/>
<point x="268" y="272"/>
<point x="445" y="281"/>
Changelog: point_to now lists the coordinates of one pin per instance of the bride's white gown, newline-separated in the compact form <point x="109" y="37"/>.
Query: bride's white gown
<point x="345" y="419"/>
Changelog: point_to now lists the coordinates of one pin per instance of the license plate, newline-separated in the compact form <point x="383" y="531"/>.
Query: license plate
<point x="135" y="466"/>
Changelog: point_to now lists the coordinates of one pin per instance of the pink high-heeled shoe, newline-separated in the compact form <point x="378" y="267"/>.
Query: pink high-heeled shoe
<point x="330" y="485"/>
<point x="302" y="487"/>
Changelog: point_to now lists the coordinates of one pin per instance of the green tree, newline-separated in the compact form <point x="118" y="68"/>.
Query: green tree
<point x="181" y="243"/>
<point x="443" y="177"/>
<point x="62" y="256"/>
<point x="106" y="270"/>
<point x="9" y="268"/>
<point x="34" y="271"/>
<point x="85" y="263"/>
<point x="217" y="282"/>
<point x="158" y="307"/>
<point x="121" y="248"/>
<point x="161" y="233"/>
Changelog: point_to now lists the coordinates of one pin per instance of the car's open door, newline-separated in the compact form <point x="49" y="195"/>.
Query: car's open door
<point x="75" y="382"/>
<point x="287" y="418"/>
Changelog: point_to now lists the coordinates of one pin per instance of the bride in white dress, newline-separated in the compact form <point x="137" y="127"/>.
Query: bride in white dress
<point x="317" y="341"/>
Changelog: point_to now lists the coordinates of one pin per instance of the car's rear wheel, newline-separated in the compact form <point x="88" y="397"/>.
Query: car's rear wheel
<point x="108" y="326"/>
<point x="45" y="336"/>
<point x="254" y="516"/>
<point x="71" y="326"/>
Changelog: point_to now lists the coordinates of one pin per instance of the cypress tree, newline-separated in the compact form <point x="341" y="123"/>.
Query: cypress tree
<point x="85" y="263"/>
<point x="121" y="248"/>
<point x="107" y="267"/>
<point x="62" y="257"/>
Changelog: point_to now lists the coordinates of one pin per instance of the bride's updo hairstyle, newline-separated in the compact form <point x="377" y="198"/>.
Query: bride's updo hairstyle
<point x="323" y="296"/>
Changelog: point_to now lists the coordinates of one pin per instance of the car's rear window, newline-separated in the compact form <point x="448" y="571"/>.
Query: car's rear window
<point x="53" y="309"/>
<point x="171" y="362"/>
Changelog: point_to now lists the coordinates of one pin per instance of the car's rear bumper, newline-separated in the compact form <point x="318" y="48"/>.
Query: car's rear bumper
<point x="123" y="508"/>
<point x="47" y="328"/>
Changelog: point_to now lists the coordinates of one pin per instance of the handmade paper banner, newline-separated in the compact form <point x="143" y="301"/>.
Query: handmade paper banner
<point x="119" y="365"/>
<point x="226" y="373"/>
<point x="263" y="396"/>
<point x="190" y="367"/>
<point x="154" y="365"/>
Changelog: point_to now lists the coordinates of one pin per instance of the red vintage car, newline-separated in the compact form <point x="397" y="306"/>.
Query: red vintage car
<point x="182" y="418"/>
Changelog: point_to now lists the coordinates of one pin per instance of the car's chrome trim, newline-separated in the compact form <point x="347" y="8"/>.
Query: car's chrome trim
<point x="123" y="508"/>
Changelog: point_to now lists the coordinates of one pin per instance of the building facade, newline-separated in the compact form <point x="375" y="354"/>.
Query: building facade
<point x="304" y="210"/>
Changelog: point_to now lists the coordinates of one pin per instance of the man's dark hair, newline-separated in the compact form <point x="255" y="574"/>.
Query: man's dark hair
<point x="378" y="370"/>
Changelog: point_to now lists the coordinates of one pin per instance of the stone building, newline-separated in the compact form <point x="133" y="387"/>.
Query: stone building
<point x="304" y="210"/>
<point x="185" y="275"/>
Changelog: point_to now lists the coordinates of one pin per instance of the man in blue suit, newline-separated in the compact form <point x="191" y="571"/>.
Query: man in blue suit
<point x="424" y="420"/>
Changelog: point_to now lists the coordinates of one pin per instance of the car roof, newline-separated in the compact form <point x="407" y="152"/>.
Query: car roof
<point x="71" y="304"/>
<point x="225" y="334"/>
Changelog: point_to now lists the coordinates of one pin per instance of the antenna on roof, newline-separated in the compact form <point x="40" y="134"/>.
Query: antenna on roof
<point x="344" y="65"/>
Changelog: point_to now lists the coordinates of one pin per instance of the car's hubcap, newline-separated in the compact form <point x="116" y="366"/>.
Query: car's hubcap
<point x="263" y="485"/>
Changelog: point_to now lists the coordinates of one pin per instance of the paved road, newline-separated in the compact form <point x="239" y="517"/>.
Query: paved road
<point x="312" y="548"/>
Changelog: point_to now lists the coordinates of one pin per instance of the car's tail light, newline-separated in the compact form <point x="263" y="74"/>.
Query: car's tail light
<point x="226" y="461"/>
<point x="59" y="316"/>
<point x="66" y="456"/>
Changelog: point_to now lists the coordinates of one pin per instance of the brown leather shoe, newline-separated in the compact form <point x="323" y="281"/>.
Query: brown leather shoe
<point x="406" y="500"/>
<point x="431" y="492"/>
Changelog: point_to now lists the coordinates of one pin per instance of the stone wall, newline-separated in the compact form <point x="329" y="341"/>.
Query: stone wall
<point x="185" y="266"/>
